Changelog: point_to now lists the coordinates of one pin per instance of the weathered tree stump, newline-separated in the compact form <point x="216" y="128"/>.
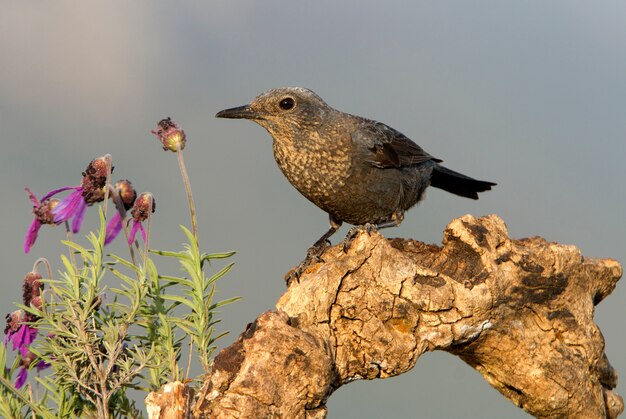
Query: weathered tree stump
<point x="518" y="311"/>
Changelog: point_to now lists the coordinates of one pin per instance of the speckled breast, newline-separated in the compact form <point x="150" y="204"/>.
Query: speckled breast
<point x="316" y="170"/>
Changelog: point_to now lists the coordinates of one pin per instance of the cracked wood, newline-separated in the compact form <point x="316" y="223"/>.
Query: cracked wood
<point x="518" y="311"/>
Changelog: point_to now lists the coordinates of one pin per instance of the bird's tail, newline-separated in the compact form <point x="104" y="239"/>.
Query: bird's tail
<point x="458" y="184"/>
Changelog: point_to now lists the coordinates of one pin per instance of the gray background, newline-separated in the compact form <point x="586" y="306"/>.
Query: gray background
<point x="531" y="95"/>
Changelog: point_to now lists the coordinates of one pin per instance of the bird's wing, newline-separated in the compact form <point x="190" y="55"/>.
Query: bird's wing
<point x="388" y="147"/>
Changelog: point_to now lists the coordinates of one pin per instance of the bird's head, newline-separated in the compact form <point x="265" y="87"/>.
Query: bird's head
<point x="282" y="111"/>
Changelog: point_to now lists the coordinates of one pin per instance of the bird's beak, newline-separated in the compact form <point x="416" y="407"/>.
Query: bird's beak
<point x="240" y="112"/>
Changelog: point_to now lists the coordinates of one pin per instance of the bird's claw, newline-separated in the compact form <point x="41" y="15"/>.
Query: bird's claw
<point x="318" y="247"/>
<point x="294" y="274"/>
<point x="354" y="231"/>
<point x="313" y="254"/>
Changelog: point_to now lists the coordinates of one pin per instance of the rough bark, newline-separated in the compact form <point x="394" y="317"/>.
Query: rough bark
<point x="172" y="401"/>
<point x="518" y="311"/>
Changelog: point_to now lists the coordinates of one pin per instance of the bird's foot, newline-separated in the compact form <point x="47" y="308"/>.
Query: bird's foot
<point x="313" y="255"/>
<point x="354" y="231"/>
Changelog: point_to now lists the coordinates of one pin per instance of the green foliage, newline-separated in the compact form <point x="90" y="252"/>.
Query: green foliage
<point x="13" y="402"/>
<point x="102" y="341"/>
<point x="197" y="296"/>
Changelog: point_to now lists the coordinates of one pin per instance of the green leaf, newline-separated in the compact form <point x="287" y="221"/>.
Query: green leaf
<point x="68" y="266"/>
<point x="178" y="255"/>
<point x="179" y="299"/>
<point x="18" y="394"/>
<point x="221" y="273"/>
<point x="182" y="281"/>
<point x="186" y="325"/>
<point x="84" y="253"/>
<point x="191" y="239"/>
<point x="210" y="256"/>
<point x="123" y="277"/>
<point x="224" y="302"/>
<point x="124" y="262"/>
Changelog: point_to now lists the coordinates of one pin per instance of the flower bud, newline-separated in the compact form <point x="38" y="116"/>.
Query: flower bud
<point x="43" y="213"/>
<point x="126" y="192"/>
<point x="96" y="303"/>
<point x="95" y="178"/>
<point x="37" y="302"/>
<point x="27" y="359"/>
<point x="141" y="209"/>
<point x="171" y="135"/>
<point x="14" y="322"/>
<point x="31" y="287"/>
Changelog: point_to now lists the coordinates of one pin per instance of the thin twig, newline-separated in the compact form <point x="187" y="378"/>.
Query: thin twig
<point x="194" y="225"/>
<point x="30" y="393"/>
<point x="46" y="264"/>
<point x="192" y="206"/>
<point x="72" y="257"/>
<point x="119" y="205"/>
<point x="148" y="222"/>
<point x="189" y="358"/>
<point x="107" y="157"/>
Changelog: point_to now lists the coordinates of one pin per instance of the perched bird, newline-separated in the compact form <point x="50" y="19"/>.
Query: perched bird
<point x="357" y="170"/>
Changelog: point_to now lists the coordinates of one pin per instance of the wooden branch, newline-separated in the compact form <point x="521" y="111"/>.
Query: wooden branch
<point x="518" y="311"/>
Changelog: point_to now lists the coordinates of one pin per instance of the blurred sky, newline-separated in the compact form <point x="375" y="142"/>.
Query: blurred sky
<point x="531" y="95"/>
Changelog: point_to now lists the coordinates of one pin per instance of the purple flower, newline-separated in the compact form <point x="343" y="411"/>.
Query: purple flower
<point x="91" y="190"/>
<point x="73" y="205"/>
<point x="25" y="363"/>
<point x="42" y="365"/>
<point x="20" y="338"/>
<point x="125" y="197"/>
<point x="31" y="290"/>
<point x="43" y="214"/>
<point x="137" y="226"/>
<point x="18" y="329"/>
<point x="114" y="226"/>
<point x="144" y="206"/>
<point x="21" y="378"/>
<point x="23" y="338"/>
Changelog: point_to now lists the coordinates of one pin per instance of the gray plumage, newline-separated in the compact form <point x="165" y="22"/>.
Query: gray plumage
<point x="357" y="170"/>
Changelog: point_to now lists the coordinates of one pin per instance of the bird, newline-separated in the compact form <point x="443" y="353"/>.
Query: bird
<point x="357" y="170"/>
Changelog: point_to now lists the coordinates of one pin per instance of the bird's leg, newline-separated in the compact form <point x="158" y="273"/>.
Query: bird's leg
<point x="395" y="221"/>
<point x="355" y="230"/>
<point x="323" y="241"/>
<point x="314" y="252"/>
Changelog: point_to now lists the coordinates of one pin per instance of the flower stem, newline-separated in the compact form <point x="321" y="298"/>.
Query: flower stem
<point x="107" y="187"/>
<point x="148" y="222"/>
<point x="46" y="264"/>
<point x="68" y="230"/>
<point x="192" y="206"/>
<point x="189" y="359"/>
<point x="194" y="225"/>
<point x="119" y="205"/>
<point x="32" y="397"/>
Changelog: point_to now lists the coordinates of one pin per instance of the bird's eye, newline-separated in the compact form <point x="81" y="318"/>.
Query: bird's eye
<point x="286" y="104"/>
